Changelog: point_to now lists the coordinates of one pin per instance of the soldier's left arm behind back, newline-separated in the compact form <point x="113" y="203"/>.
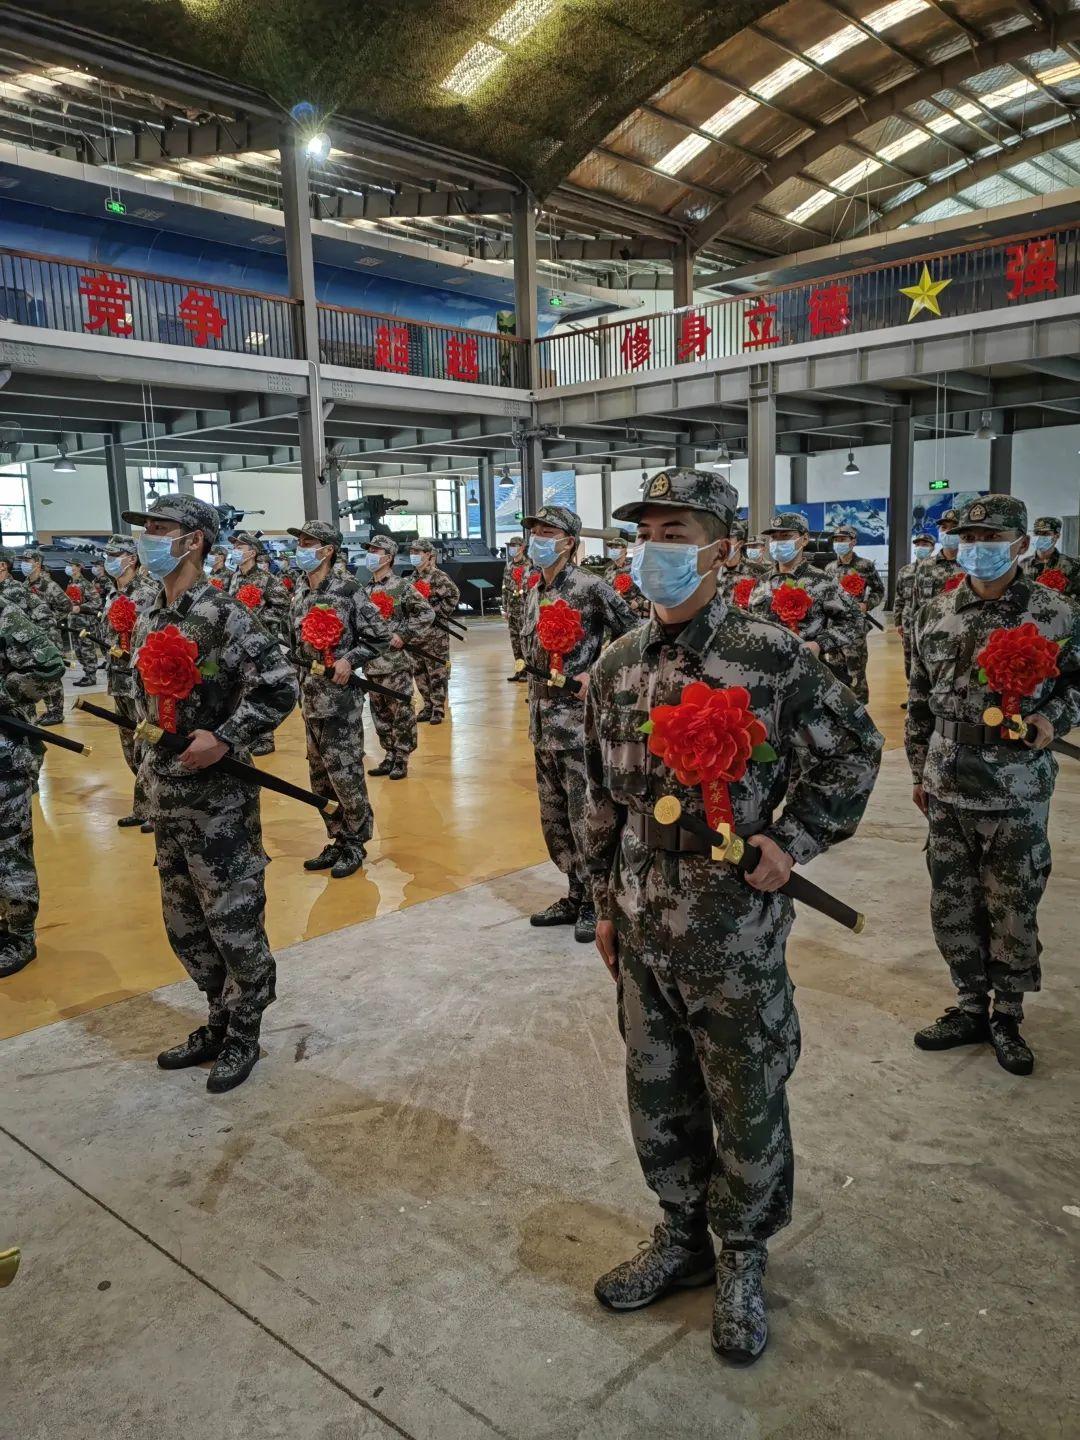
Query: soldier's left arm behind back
<point x="1062" y="709"/>
<point x="845" y="623"/>
<point x="416" y="615"/>
<point x="838" y="752"/>
<point x="266" y="680"/>
<point x="446" y="593"/>
<point x="875" y="586"/>
<point x="370" y="627"/>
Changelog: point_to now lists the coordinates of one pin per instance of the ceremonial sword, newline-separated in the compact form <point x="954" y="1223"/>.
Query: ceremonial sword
<point x="995" y="717"/>
<point x="23" y="728"/>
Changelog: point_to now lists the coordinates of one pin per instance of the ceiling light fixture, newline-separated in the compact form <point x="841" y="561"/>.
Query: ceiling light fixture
<point x="62" y="465"/>
<point x="851" y="468"/>
<point x="986" y="429"/>
<point x="317" y="147"/>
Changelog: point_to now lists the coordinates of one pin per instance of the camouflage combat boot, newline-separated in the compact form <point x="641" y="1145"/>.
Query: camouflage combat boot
<point x="326" y="857"/>
<point x="659" y="1267"/>
<point x="955" y="1027"/>
<point x="1012" y="1050"/>
<point x="201" y="1045"/>
<point x="585" y="926"/>
<point x="16" y="952"/>
<point x="740" y="1327"/>
<point x="561" y="912"/>
<point x="239" y="1056"/>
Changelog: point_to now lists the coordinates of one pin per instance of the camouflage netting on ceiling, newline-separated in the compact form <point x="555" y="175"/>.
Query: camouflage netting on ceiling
<point x="563" y="87"/>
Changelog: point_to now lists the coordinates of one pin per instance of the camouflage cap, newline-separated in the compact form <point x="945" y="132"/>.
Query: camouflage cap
<point x="1048" y="525"/>
<point x="994" y="512"/>
<point x="245" y="537"/>
<point x="793" y="520"/>
<point x="559" y="516"/>
<point x="182" y="510"/>
<point x="219" y="549"/>
<point x="121" y="545"/>
<point x="321" y="531"/>
<point x="844" y="532"/>
<point x="948" y="517"/>
<point x="922" y="534"/>
<point x="31" y="553"/>
<point x="7" y="557"/>
<point x="685" y="489"/>
<point x="737" y="530"/>
<point x="383" y="543"/>
<point x="427" y="546"/>
<point x="515" y="540"/>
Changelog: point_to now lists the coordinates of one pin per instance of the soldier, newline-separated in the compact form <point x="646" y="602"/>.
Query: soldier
<point x="704" y="998"/>
<point x="121" y="567"/>
<point x="736" y="564"/>
<point x="1046" y="562"/>
<point x="247" y="568"/>
<point x="433" y="675"/>
<point x="28" y="661"/>
<point x="904" y="607"/>
<point x="207" y="828"/>
<point x="847" y="563"/>
<point x="939" y="570"/>
<point x="409" y="618"/>
<point x="618" y="576"/>
<point x="85" y="615"/>
<point x="334" y="709"/>
<point x="830" y="625"/>
<point x="43" y="587"/>
<point x="987" y="797"/>
<point x="515" y="579"/>
<point x="216" y="566"/>
<point x="51" y="691"/>
<point x="557" y="716"/>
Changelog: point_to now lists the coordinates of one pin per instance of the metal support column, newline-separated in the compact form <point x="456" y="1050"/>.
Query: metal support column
<point x="761" y="433"/>
<point x="486" y="473"/>
<point x="1001" y="457"/>
<point x="798" y="480"/>
<point x="685" y="455"/>
<point x="683" y="274"/>
<point x="116" y="476"/>
<point x="320" y="501"/>
<point x="901" y="497"/>
<point x="605" y="495"/>
<point x="532" y="474"/>
<point x="526" y="319"/>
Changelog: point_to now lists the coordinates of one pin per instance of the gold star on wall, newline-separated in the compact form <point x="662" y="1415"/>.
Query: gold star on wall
<point x="924" y="295"/>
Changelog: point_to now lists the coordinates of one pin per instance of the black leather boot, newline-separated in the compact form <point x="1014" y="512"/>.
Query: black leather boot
<point x="201" y="1045"/>
<point x="239" y="1056"/>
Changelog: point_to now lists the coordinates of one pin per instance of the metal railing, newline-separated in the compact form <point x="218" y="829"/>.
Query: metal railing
<point x="133" y="305"/>
<point x="1000" y="274"/>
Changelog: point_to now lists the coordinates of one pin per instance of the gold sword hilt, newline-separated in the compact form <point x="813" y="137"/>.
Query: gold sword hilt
<point x="668" y="811"/>
<point x="995" y="717"/>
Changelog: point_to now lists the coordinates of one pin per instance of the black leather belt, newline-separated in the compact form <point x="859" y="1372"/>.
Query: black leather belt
<point x="964" y="734"/>
<point x="674" y="838"/>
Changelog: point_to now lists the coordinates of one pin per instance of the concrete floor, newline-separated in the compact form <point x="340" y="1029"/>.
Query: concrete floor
<point x="393" y="1229"/>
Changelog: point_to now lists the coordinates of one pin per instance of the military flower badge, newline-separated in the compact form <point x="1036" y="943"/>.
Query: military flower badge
<point x="383" y="602"/>
<point x="422" y="588"/>
<point x="121" y="616"/>
<point x="74" y="594"/>
<point x="322" y="629"/>
<point x="853" y="584"/>
<point x="250" y="595"/>
<point x="622" y="583"/>
<point x="791" y="603"/>
<point x="168" y="663"/>
<point x="1014" y="663"/>
<point x="744" y="588"/>
<point x="559" y="630"/>
<point x="1053" y="580"/>
<point x="952" y="583"/>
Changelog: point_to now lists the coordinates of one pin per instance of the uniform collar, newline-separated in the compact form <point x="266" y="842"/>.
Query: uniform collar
<point x="187" y="599"/>
<point x="697" y="634"/>
<point x="1017" y="595"/>
<point x="790" y="574"/>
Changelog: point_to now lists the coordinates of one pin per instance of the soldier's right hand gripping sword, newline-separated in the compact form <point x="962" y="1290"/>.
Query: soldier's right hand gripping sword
<point x="555" y="678"/>
<point x="743" y="857"/>
<point x="356" y="680"/>
<point x="995" y="716"/>
<point x="155" y="735"/>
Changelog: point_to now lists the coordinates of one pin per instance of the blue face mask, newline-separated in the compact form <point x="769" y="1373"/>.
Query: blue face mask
<point x="374" y="560"/>
<point x="949" y="542"/>
<point x="753" y="552"/>
<point x="923" y="552"/>
<point x="783" y="551"/>
<point x="156" y="553"/>
<point x="233" y="560"/>
<point x="114" y="565"/>
<point x="986" y="559"/>
<point x="69" y="570"/>
<point x="841" y="547"/>
<point x="1044" y="543"/>
<point x="666" y="574"/>
<point x="307" y="558"/>
<point x="543" y="551"/>
<point x="26" y="566"/>
<point x="416" y="557"/>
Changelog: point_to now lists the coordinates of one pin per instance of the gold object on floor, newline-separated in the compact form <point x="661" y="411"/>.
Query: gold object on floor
<point x="9" y="1265"/>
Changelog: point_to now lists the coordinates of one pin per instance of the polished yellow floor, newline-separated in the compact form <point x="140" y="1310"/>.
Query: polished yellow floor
<point x="466" y="814"/>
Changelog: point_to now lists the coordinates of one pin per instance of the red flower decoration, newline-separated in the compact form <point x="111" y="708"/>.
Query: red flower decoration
<point x="853" y="584"/>
<point x="534" y="579"/>
<point x="707" y="739"/>
<point x="622" y="583"/>
<point x="422" y="587"/>
<point x="952" y="583"/>
<point x="559" y="630"/>
<point x="74" y="594"/>
<point x="167" y="662"/>
<point x="518" y="574"/>
<point x="250" y="595"/>
<point x="121" y="617"/>
<point x="1016" y="662"/>
<point x="322" y="628"/>
<point x="288" y="582"/>
<point x="791" y="604"/>
<point x="218" y="584"/>
<point x="1053" y="579"/>
<point x="383" y="602"/>
<point x="744" y="588"/>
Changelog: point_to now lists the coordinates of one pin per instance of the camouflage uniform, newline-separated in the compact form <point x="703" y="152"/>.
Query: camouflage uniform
<point x="86" y="616"/>
<point x="411" y="618"/>
<point x="904" y="606"/>
<point x="706" y="1005"/>
<point x="27" y="654"/>
<point x="556" y="717"/>
<point x="740" y="568"/>
<point x="120" y="681"/>
<point x="513" y="602"/>
<point x="37" y="609"/>
<point x="988" y="798"/>
<point x="207" y="828"/>
<point x="433" y="676"/>
<point x="334" y="714"/>
<point x="639" y="605"/>
<point x="1036" y="564"/>
<point x="871" y="598"/>
<point x="931" y="576"/>
<point x="833" y="622"/>
<point x="276" y="602"/>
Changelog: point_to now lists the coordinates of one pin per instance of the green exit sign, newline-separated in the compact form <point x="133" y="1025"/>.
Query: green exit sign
<point x="939" y="484"/>
<point x="556" y="301"/>
<point x="115" y="207"/>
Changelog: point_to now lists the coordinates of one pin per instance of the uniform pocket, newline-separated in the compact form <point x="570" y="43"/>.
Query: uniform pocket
<point x="624" y="750"/>
<point x="781" y="1037"/>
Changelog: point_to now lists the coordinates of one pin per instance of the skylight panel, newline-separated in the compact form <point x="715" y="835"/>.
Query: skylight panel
<point x="474" y="67"/>
<point x="517" y="22"/>
<point x="481" y="61"/>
